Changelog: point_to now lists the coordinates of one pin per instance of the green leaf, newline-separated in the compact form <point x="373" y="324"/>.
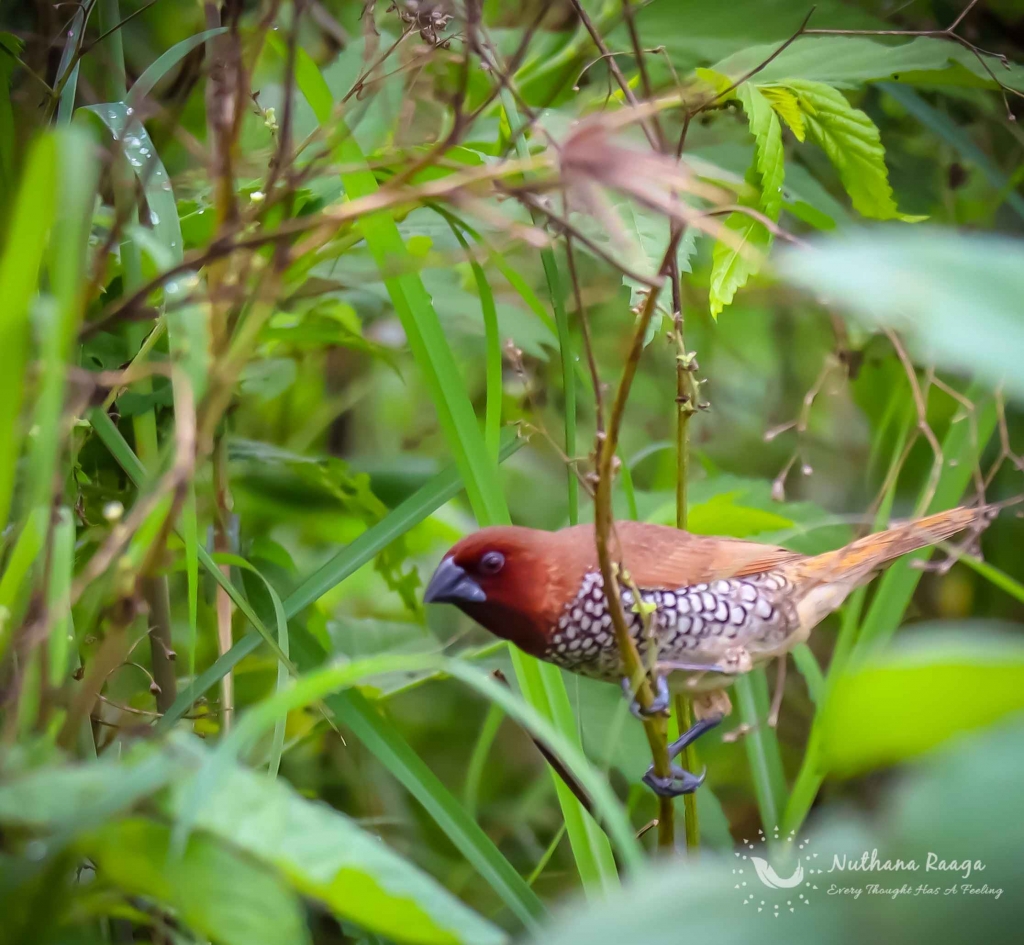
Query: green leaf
<point x="415" y="309"/>
<point x="328" y="858"/>
<point x="955" y="297"/>
<point x="732" y="266"/>
<point x="722" y="515"/>
<point x="316" y="685"/>
<point x="264" y="380"/>
<point x="65" y="799"/>
<point x="769" y="156"/>
<point x="215" y="891"/>
<point x="19" y="269"/>
<point x="958" y="138"/>
<point x="848" y="61"/>
<point x="787" y="107"/>
<point x="853" y="145"/>
<point x="898" y="705"/>
<point x="163" y="64"/>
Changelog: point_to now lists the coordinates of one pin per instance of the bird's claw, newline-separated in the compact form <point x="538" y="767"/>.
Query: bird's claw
<point x="660" y="704"/>
<point x="680" y="781"/>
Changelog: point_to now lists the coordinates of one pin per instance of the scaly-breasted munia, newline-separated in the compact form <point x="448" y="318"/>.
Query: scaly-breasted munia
<point x="715" y="607"/>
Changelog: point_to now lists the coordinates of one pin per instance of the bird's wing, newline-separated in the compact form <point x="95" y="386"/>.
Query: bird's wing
<point x="661" y="558"/>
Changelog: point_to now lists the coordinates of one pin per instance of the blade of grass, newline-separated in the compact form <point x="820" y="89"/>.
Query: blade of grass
<point x="961" y="455"/>
<point x="961" y="452"/>
<point x="19" y="272"/>
<point x="15" y="583"/>
<point x="79" y="176"/>
<point x="492" y="415"/>
<point x="163" y="64"/>
<point x="958" y="139"/>
<point x="557" y="295"/>
<point x="541" y="683"/>
<point x="444" y="486"/>
<point x="277" y="745"/>
<point x="762" y="748"/>
<point x="129" y="462"/>
<point x="67" y="71"/>
<point x="992" y="574"/>
<point x="478" y="759"/>
<point x="58" y="594"/>
<point x="322" y="682"/>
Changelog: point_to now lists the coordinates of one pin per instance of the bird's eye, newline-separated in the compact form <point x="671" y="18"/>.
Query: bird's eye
<point x="492" y="562"/>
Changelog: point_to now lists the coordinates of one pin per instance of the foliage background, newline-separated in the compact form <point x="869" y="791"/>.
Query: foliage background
<point x="317" y="422"/>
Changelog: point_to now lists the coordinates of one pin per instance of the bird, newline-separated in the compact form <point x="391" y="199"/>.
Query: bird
<point x="701" y="609"/>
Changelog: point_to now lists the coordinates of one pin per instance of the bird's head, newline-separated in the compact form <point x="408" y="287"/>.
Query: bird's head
<point x="513" y="581"/>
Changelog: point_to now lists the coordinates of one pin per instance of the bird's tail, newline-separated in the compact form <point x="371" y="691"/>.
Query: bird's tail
<point x="859" y="560"/>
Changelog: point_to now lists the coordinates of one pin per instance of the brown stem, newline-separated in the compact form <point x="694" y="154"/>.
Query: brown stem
<point x="162" y="657"/>
<point x="567" y="777"/>
<point x="222" y="544"/>
<point x="656" y="728"/>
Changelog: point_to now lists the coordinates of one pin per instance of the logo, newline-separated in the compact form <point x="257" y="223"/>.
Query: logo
<point x="775" y="892"/>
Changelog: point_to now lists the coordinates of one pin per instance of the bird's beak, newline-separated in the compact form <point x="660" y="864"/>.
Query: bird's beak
<point x="451" y="585"/>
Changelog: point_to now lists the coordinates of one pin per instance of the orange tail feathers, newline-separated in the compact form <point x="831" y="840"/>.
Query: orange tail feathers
<point x="860" y="559"/>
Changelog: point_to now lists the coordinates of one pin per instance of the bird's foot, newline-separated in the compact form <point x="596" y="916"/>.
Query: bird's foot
<point x="679" y="780"/>
<point x="660" y="704"/>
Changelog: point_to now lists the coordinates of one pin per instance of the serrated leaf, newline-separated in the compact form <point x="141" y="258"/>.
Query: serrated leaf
<point x="787" y="107"/>
<point x="717" y="80"/>
<point x="849" y="61"/>
<point x="769" y="156"/>
<point x="853" y="145"/>
<point x="732" y="266"/>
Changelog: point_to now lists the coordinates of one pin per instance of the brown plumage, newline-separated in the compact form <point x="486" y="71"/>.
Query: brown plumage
<point x="714" y="607"/>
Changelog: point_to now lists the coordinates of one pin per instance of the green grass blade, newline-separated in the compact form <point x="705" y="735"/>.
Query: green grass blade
<point x="994" y="576"/>
<point x="358" y="714"/>
<point x="762" y="748"/>
<point x="58" y="594"/>
<point x="67" y="81"/>
<point x="19" y="272"/>
<point x="78" y="175"/>
<point x="129" y="462"/>
<point x="556" y="293"/>
<point x="163" y="64"/>
<point x="478" y="760"/>
<point x="277" y="745"/>
<point x="958" y="139"/>
<point x="434" y="358"/>
<point x="444" y="486"/>
<point x="413" y="510"/>
<point x="320" y="683"/>
<point x="15" y="584"/>
<point x="492" y="415"/>
<point x="961" y="455"/>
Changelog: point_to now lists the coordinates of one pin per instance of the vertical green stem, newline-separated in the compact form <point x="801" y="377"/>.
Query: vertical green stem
<point x="565" y="353"/>
<point x="147" y="445"/>
<point x="686" y="406"/>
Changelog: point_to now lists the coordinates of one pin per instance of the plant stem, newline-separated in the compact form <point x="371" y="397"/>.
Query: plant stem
<point x="686" y="407"/>
<point x="656" y="728"/>
<point x="155" y="591"/>
<point x="554" y="281"/>
<point x="222" y="543"/>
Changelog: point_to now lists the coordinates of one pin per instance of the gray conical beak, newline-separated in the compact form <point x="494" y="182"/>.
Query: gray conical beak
<point x="451" y="585"/>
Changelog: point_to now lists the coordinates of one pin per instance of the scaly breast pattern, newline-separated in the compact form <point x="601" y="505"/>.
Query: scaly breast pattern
<point x="694" y="624"/>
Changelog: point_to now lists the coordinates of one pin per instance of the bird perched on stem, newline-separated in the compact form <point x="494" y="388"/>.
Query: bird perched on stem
<point x="701" y="610"/>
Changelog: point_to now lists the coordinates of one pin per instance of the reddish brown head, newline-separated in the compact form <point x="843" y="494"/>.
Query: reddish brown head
<point x="513" y="581"/>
